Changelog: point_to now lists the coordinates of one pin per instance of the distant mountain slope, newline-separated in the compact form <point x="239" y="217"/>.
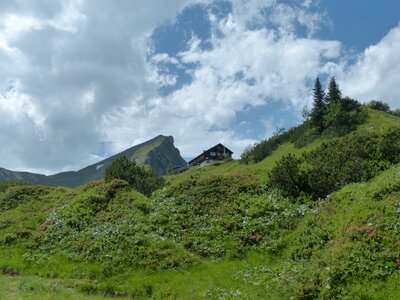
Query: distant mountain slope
<point x="21" y="176"/>
<point x="159" y="153"/>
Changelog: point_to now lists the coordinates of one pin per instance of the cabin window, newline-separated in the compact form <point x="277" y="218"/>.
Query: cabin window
<point x="213" y="153"/>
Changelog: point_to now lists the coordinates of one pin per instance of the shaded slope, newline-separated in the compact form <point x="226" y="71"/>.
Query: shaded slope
<point x="21" y="176"/>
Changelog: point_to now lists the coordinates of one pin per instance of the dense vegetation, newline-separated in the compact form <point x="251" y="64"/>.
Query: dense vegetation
<point x="299" y="136"/>
<point x="331" y="115"/>
<point x="335" y="164"/>
<point x="321" y="223"/>
<point x="140" y="178"/>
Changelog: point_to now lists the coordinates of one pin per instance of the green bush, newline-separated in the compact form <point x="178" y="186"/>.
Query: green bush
<point x="335" y="164"/>
<point x="343" y="115"/>
<point x="140" y="178"/>
<point x="223" y="216"/>
<point x="379" y="105"/>
<point x="109" y="222"/>
<point x="346" y="242"/>
<point x="300" y="136"/>
<point x="286" y="176"/>
<point x="213" y="217"/>
<point x="390" y="146"/>
<point x="12" y="194"/>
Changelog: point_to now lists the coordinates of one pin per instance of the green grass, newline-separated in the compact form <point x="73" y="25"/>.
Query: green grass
<point x="378" y="122"/>
<point x="257" y="171"/>
<point x="212" y="280"/>
<point x="352" y="239"/>
<point x="244" y="242"/>
<point x="34" y="287"/>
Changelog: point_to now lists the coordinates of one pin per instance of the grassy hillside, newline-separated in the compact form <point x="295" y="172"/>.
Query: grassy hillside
<point x="214" y="232"/>
<point x="377" y="122"/>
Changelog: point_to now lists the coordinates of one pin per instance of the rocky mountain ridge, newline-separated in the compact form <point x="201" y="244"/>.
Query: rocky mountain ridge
<point x="159" y="153"/>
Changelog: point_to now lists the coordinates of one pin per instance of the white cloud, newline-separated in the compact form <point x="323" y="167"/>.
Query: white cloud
<point x="248" y="65"/>
<point x="376" y="74"/>
<point x="72" y="63"/>
<point x="77" y="73"/>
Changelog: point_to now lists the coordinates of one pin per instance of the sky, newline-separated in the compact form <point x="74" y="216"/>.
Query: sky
<point x="84" y="79"/>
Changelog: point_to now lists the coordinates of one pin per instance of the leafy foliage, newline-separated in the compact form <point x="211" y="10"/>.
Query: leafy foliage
<point x="379" y="105"/>
<point x="335" y="164"/>
<point x="300" y="136"/>
<point x="140" y="178"/>
<point x="216" y="217"/>
<point x="286" y="176"/>
<point x="343" y="115"/>
<point x="351" y="238"/>
<point x="108" y="223"/>
<point x="330" y="114"/>
<point x="14" y="193"/>
<point x="223" y="216"/>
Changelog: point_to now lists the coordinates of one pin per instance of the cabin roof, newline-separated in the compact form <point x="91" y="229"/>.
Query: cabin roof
<point x="212" y="148"/>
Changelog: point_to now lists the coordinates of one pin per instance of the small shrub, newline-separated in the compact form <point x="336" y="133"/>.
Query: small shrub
<point x="140" y="178"/>
<point x="9" y="238"/>
<point x="379" y="105"/>
<point x="17" y="193"/>
<point x="343" y="115"/>
<point x="335" y="164"/>
<point x="301" y="136"/>
<point x="390" y="146"/>
<point x="286" y="176"/>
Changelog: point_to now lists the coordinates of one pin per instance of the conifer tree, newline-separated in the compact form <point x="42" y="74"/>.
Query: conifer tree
<point x="342" y="114"/>
<point x="334" y="93"/>
<point x="319" y="108"/>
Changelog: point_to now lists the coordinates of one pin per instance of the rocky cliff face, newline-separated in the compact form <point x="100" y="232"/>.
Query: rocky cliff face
<point x="159" y="153"/>
<point x="164" y="156"/>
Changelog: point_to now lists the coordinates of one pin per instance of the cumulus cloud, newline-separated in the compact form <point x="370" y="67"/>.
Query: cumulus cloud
<point x="70" y="63"/>
<point x="376" y="73"/>
<point x="251" y="62"/>
<point x="80" y="77"/>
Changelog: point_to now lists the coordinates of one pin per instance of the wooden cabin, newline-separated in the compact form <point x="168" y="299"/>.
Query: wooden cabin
<point x="218" y="152"/>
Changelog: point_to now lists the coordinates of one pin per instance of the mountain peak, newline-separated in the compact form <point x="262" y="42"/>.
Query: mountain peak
<point x="159" y="153"/>
<point x="169" y="138"/>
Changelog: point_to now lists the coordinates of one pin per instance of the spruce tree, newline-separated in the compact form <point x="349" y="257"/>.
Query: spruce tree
<point x="319" y="108"/>
<point x="334" y="93"/>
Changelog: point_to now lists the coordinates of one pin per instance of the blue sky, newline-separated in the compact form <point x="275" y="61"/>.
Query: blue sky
<point x="85" y="79"/>
<point x="359" y="23"/>
<point x="356" y="24"/>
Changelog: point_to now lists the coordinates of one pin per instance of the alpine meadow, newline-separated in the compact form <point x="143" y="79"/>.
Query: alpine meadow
<point x="199" y="149"/>
<point x="312" y="212"/>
